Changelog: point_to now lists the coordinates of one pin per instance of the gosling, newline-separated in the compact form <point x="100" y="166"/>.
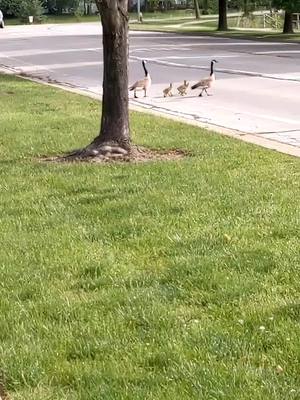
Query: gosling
<point x="182" y="89"/>
<point x="168" y="91"/>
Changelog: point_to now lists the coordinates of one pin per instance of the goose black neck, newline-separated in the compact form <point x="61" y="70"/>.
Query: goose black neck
<point x="211" y="68"/>
<point x="145" y="69"/>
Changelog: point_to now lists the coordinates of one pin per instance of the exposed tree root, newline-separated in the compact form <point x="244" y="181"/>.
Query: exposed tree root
<point x="102" y="151"/>
<point x="112" y="152"/>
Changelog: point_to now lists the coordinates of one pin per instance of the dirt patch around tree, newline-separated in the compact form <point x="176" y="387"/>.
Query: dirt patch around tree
<point x="3" y="392"/>
<point x="136" y="155"/>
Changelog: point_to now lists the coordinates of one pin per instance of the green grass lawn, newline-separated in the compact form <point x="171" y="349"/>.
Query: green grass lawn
<point x="208" y="25"/>
<point x="169" y="14"/>
<point x="69" y="18"/>
<point x="180" y="21"/>
<point x="162" y="281"/>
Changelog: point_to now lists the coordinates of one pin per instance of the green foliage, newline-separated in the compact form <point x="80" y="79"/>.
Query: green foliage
<point x="213" y="6"/>
<point x="287" y="5"/>
<point x="59" y="6"/>
<point x="248" y="6"/>
<point x="10" y="6"/>
<point x="22" y="8"/>
<point x="30" y="7"/>
<point x="78" y="13"/>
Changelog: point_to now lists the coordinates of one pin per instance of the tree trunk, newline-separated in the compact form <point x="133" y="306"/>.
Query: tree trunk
<point x="288" y="22"/>
<point x="197" y="11"/>
<point x="205" y="7"/>
<point x="245" y="8"/>
<point x="146" y="6"/>
<point x="114" y="136"/>
<point x="222" y="26"/>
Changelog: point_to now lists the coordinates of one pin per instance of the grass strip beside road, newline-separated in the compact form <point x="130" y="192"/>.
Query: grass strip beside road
<point x="208" y="27"/>
<point x="166" y="281"/>
<point x="69" y="18"/>
<point x="180" y="21"/>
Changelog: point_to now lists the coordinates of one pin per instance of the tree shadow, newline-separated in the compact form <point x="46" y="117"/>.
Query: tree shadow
<point x="291" y="311"/>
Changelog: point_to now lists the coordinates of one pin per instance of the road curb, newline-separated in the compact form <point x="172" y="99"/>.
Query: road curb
<point x="244" y="136"/>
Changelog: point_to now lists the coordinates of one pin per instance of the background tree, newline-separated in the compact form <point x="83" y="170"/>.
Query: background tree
<point x="290" y="7"/>
<point x="59" y="6"/>
<point x="288" y="22"/>
<point x="22" y="8"/>
<point x="205" y="7"/>
<point x="10" y="7"/>
<point x="87" y="6"/>
<point x="30" y="7"/>
<point x="222" y="24"/>
<point x="246" y="8"/>
<point x="197" y="10"/>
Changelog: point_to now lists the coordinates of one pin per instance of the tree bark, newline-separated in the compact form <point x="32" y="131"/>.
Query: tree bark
<point x="197" y="10"/>
<point x="114" y="136"/>
<point x="205" y="7"/>
<point x="146" y="6"/>
<point x="288" y="22"/>
<point x="245" y="8"/>
<point x="222" y="25"/>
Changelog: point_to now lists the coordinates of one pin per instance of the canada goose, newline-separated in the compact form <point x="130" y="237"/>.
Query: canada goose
<point x="182" y="89"/>
<point x="168" y="91"/>
<point x="143" y="84"/>
<point x="206" y="83"/>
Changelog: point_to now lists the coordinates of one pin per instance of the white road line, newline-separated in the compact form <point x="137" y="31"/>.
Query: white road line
<point x="35" y="52"/>
<point x="277" y="52"/>
<point x="200" y="57"/>
<point x="150" y="49"/>
<point x="227" y="43"/>
<point x="286" y="77"/>
<point x="50" y="67"/>
<point x="183" y="47"/>
<point x="246" y="44"/>
<point x="215" y="44"/>
<point x="290" y="75"/>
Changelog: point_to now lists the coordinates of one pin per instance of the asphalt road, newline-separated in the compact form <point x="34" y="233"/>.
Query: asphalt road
<point x="257" y="89"/>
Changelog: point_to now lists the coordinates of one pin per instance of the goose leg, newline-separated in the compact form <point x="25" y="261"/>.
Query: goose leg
<point x="135" y="96"/>
<point x="200" y="95"/>
<point x="145" y="93"/>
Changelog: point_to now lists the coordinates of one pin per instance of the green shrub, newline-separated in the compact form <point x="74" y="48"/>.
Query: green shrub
<point x="30" y="7"/>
